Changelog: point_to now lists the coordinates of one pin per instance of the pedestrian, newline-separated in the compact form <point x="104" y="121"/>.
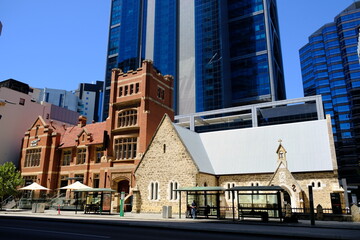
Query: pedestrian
<point x="193" y="209"/>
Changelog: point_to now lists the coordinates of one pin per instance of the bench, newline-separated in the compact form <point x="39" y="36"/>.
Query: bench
<point x="91" y="208"/>
<point x="263" y="215"/>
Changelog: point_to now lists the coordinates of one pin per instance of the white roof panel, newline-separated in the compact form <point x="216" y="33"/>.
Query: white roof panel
<point x="253" y="150"/>
<point x="196" y="149"/>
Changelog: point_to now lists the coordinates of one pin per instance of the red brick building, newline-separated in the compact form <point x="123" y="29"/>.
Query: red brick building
<point x="104" y="154"/>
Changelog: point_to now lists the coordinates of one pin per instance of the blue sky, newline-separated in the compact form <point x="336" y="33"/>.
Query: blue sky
<point x="58" y="44"/>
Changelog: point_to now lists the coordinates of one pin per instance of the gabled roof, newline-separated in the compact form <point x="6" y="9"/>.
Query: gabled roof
<point x="96" y="130"/>
<point x="194" y="145"/>
<point x="253" y="150"/>
<point x="56" y="126"/>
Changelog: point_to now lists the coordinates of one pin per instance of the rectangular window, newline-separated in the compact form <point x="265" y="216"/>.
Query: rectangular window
<point x="160" y="93"/>
<point x="66" y="159"/>
<point x="96" y="180"/>
<point x="137" y="87"/>
<point x="29" y="179"/>
<point x="63" y="183"/>
<point x="79" y="177"/>
<point x="61" y="100"/>
<point x="32" y="158"/>
<point x="131" y="88"/>
<point x="98" y="154"/>
<point x="120" y="91"/>
<point x="125" y="148"/>
<point x="126" y="90"/>
<point x="22" y="101"/>
<point x="81" y="156"/>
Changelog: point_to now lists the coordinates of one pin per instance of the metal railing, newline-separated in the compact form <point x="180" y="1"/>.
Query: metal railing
<point x="346" y="211"/>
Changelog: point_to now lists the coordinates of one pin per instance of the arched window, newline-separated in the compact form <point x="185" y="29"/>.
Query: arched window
<point x="229" y="193"/>
<point x="127" y="118"/>
<point x="154" y="191"/>
<point x="173" y="194"/>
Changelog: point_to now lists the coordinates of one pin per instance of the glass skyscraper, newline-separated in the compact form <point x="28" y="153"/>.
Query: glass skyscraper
<point x="330" y="67"/>
<point x="222" y="53"/>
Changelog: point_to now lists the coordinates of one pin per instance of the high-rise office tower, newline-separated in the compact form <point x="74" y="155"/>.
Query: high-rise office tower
<point x="330" y="67"/>
<point x="222" y="53"/>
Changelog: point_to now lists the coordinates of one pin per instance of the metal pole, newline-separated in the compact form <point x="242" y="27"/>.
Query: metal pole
<point x="77" y="199"/>
<point x="122" y="196"/>
<point x="233" y="203"/>
<point x="180" y="204"/>
<point x="311" y="201"/>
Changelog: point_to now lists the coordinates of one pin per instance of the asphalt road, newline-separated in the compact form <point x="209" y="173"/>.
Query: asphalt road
<point x="29" y="229"/>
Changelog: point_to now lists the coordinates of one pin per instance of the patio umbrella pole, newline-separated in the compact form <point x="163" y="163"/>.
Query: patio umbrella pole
<point x="77" y="199"/>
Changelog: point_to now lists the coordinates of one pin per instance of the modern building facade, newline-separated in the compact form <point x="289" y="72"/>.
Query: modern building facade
<point x="330" y="67"/>
<point x="90" y="96"/>
<point x="58" y="97"/>
<point x="86" y="100"/>
<point x="221" y="53"/>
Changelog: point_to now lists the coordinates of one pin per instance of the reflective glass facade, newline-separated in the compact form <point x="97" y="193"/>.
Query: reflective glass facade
<point x="222" y="53"/>
<point x="330" y="67"/>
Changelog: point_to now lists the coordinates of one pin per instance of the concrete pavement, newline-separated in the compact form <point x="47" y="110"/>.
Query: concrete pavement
<point x="303" y="229"/>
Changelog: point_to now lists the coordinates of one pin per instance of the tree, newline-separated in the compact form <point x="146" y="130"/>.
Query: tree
<point x="10" y="179"/>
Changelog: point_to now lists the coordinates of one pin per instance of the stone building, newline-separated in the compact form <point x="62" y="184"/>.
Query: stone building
<point x="101" y="154"/>
<point x="292" y="156"/>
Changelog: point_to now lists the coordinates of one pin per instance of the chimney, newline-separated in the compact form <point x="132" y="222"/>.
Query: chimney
<point x="82" y="121"/>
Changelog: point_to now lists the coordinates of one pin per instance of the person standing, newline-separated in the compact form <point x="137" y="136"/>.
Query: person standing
<point x="193" y="209"/>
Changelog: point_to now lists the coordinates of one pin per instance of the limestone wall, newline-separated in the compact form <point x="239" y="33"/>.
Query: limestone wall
<point x="166" y="162"/>
<point x="295" y="184"/>
<point x="324" y="184"/>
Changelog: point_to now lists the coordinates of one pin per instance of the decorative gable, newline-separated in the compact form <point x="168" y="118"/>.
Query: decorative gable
<point x="281" y="154"/>
<point x="84" y="137"/>
<point x="284" y="178"/>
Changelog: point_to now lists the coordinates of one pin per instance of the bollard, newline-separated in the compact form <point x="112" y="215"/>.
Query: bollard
<point x="59" y="209"/>
<point x="122" y="196"/>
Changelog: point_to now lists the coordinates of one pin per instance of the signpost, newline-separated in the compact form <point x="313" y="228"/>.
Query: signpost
<point x="311" y="200"/>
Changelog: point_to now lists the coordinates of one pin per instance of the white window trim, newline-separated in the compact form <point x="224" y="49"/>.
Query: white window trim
<point x="176" y="199"/>
<point x="152" y="191"/>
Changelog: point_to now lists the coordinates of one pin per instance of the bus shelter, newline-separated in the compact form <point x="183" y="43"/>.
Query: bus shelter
<point x="257" y="201"/>
<point x="207" y="200"/>
<point x="98" y="200"/>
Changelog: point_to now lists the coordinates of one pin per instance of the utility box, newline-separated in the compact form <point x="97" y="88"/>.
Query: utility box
<point x="167" y="212"/>
<point x="40" y="208"/>
<point x="33" y="208"/>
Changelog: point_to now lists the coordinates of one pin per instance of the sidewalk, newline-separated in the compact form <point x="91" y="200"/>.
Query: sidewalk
<point x="303" y="229"/>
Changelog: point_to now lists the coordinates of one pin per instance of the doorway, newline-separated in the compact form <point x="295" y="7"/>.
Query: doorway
<point x="124" y="186"/>
<point x="287" y="198"/>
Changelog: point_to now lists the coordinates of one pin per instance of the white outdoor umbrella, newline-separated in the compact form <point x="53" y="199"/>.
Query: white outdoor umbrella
<point x="75" y="186"/>
<point x="34" y="186"/>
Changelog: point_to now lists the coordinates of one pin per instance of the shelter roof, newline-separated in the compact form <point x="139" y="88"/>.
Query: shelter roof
<point x="256" y="188"/>
<point x="200" y="189"/>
